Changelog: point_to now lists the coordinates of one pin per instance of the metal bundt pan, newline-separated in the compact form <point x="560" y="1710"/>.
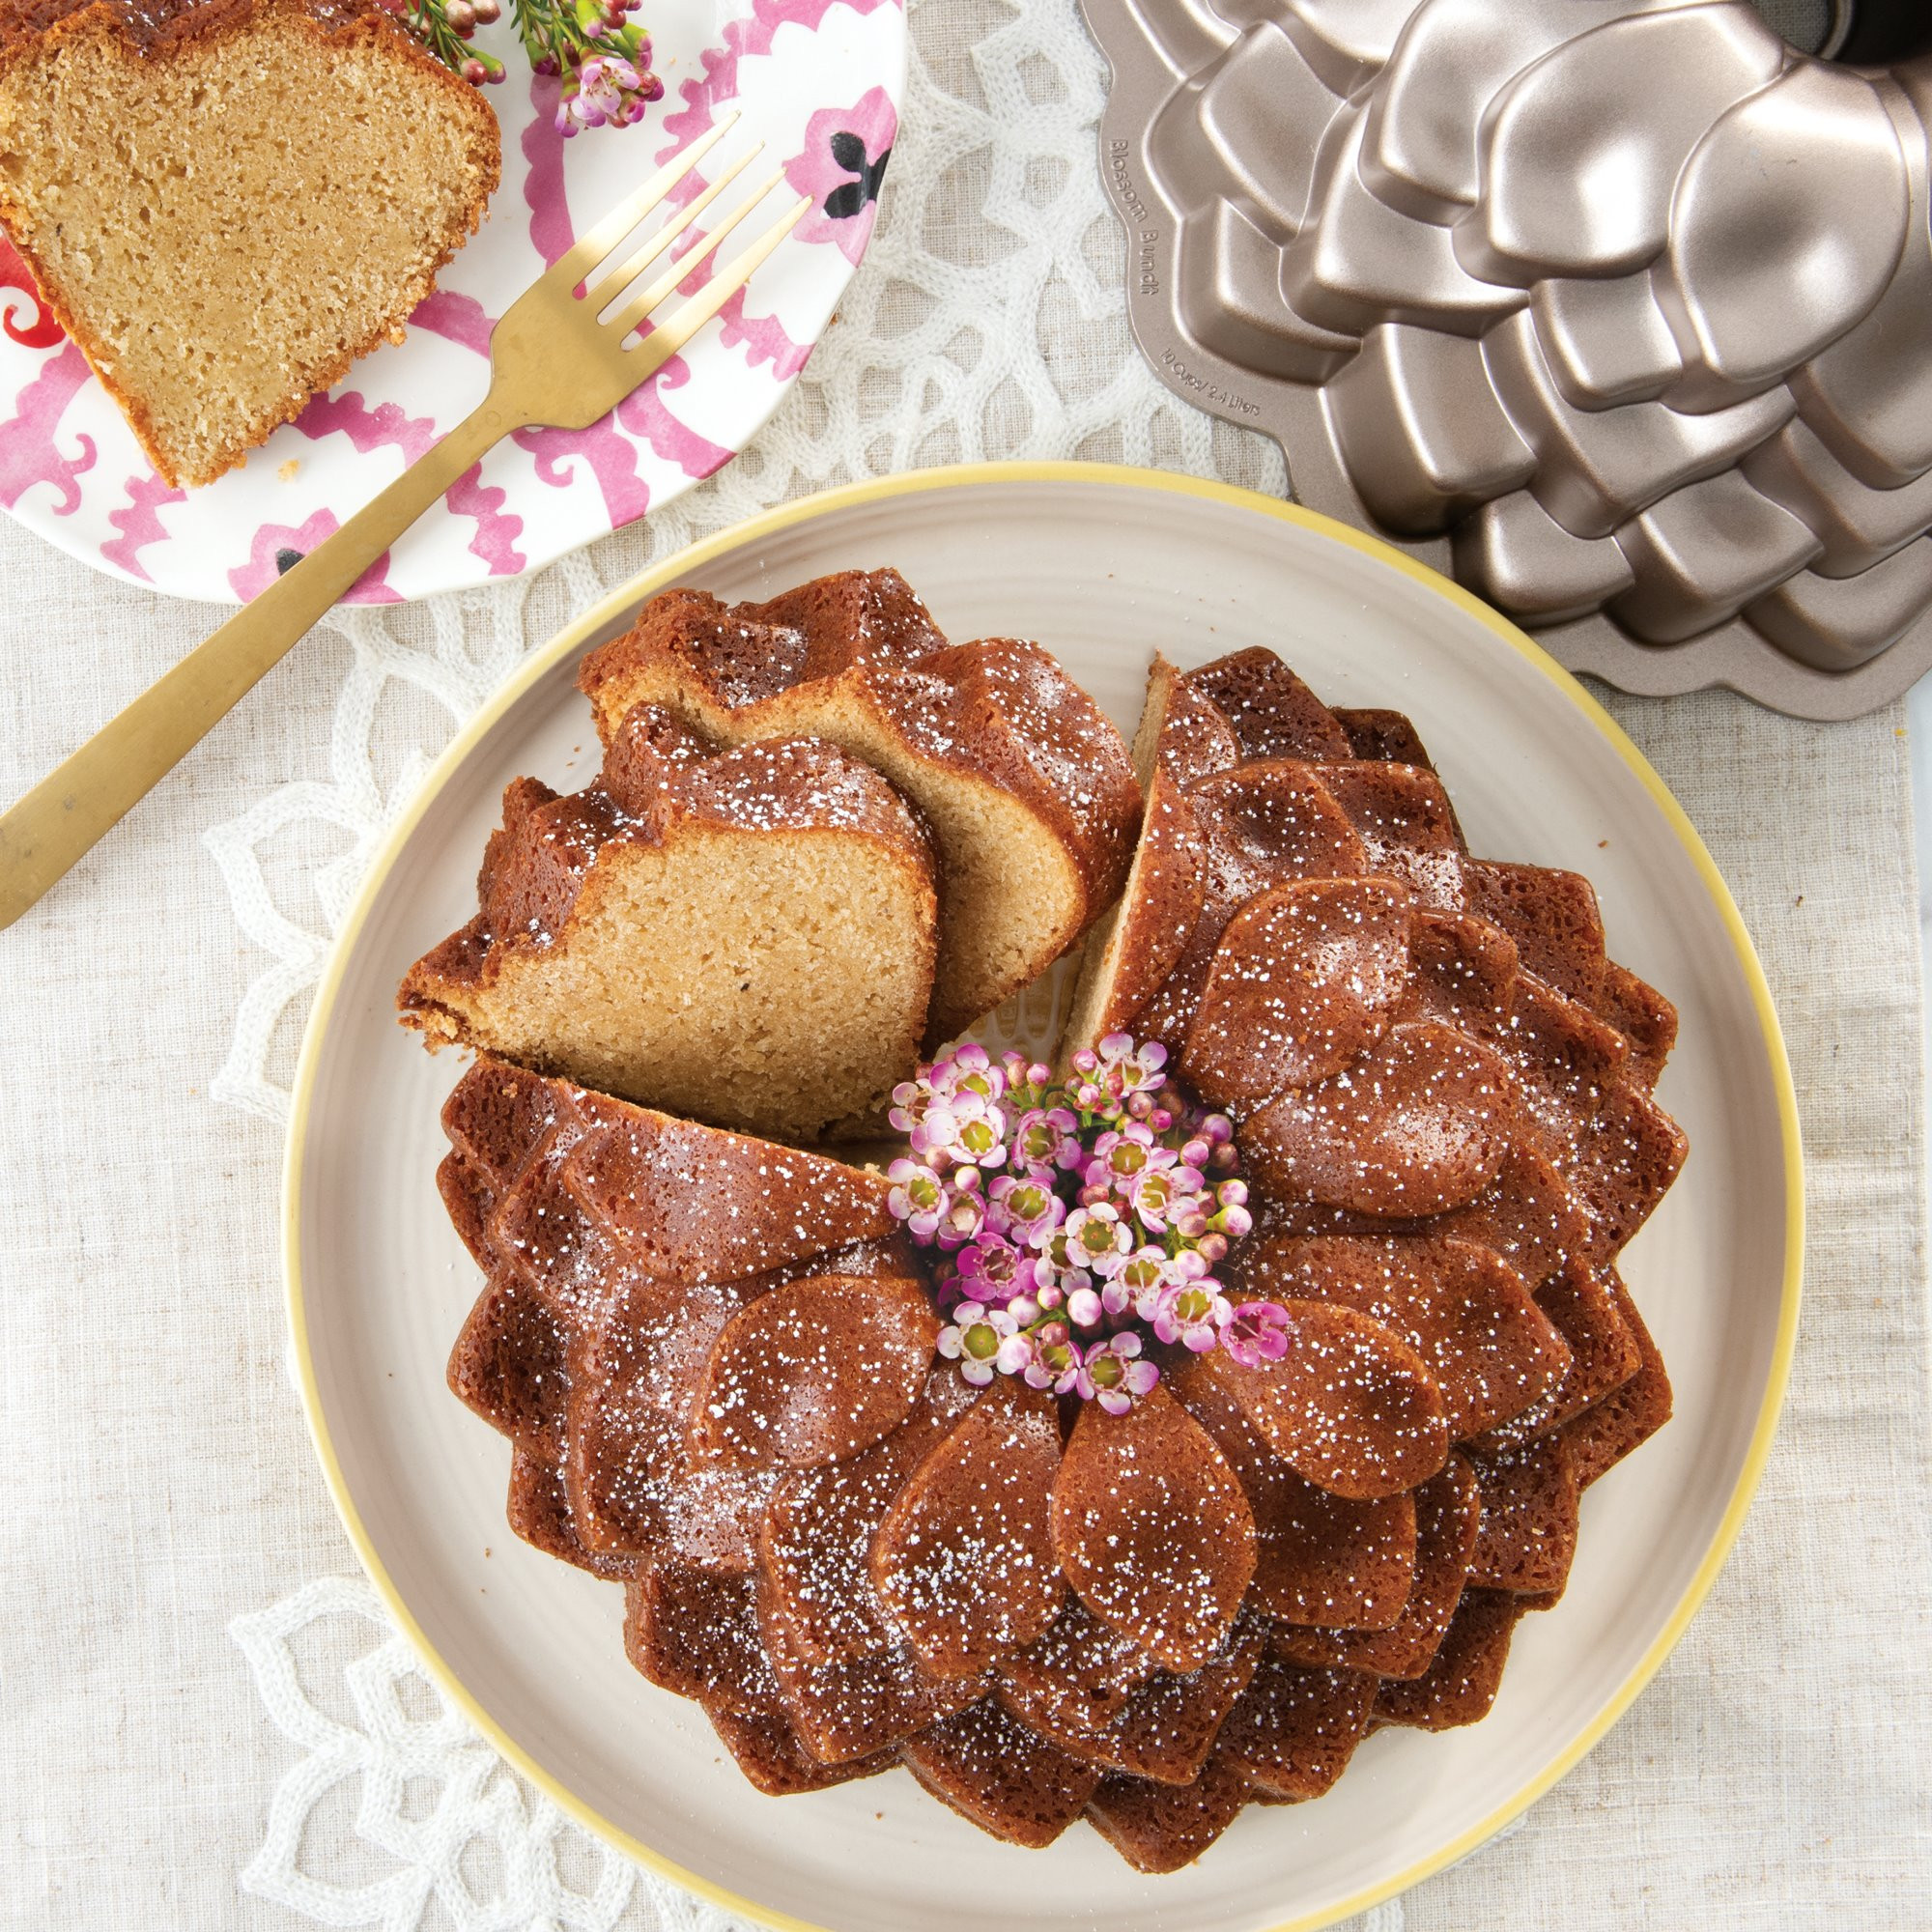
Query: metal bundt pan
<point x="1620" y="311"/>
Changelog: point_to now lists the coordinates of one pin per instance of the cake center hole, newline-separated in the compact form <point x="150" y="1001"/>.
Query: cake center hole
<point x="1857" y="33"/>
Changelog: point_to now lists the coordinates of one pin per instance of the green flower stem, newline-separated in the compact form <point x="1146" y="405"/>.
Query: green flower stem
<point x="429" y="21"/>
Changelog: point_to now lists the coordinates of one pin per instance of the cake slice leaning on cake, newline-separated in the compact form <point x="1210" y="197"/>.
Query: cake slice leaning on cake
<point x="1026" y="785"/>
<point x="746" y="936"/>
<point x="226" y="202"/>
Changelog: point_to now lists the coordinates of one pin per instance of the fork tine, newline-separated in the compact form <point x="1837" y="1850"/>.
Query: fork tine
<point x="640" y="306"/>
<point x="618" y="280"/>
<point x="591" y="250"/>
<point x="670" y="336"/>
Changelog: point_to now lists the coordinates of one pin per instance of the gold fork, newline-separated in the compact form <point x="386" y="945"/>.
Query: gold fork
<point x="555" y="359"/>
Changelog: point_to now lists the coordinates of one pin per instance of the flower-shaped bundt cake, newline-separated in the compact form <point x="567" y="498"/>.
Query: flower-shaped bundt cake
<point x="1149" y="1433"/>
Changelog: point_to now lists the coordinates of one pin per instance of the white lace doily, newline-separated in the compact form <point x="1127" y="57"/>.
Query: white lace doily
<point x="400" y="1817"/>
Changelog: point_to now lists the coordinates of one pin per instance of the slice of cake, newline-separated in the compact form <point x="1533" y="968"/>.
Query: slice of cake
<point x="1025" y="782"/>
<point x="745" y="937"/>
<point x="226" y="204"/>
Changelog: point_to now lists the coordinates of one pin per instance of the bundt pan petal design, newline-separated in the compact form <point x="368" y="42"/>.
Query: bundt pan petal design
<point x="717" y="1358"/>
<point x="1614" y="309"/>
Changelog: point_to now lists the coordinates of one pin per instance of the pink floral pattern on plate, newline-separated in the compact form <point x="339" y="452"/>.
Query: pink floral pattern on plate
<point x="818" y="81"/>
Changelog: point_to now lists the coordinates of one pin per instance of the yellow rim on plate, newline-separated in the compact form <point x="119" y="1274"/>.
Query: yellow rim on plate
<point x="572" y="638"/>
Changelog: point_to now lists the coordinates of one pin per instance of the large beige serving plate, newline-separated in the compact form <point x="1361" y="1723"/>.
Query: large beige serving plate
<point x="1101" y="566"/>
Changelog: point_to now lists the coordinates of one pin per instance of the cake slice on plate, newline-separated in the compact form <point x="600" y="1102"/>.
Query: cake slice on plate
<point x="226" y="204"/>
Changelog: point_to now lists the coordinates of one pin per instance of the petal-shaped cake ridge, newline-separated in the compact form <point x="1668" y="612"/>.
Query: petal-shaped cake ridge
<point x="1448" y="1509"/>
<point x="1170" y="1724"/>
<point x="1151" y="1529"/>
<point x="1350" y="1406"/>
<point x="1630" y="1414"/>
<point x="1406" y="825"/>
<point x="698" y="1635"/>
<point x="655" y="1184"/>
<point x="1159" y="1828"/>
<point x="1528" y="1532"/>
<point x="1077" y="1678"/>
<point x="714" y="1357"/>
<point x="634" y="1371"/>
<point x="1000" y="1775"/>
<point x="1306" y="979"/>
<point x="1272" y="713"/>
<point x="1604" y="1356"/>
<point x="538" y="1510"/>
<point x="812" y="1371"/>
<point x="1462" y="1308"/>
<point x="768" y="1752"/>
<point x="1295" y="1728"/>
<point x="1260" y="825"/>
<point x="1418" y="1125"/>
<point x="510" y="1363"/>
<point x="854" y="1706"/>
<point x="964" y="1560"/>
<point x="816" y="1539"/>
<point x="1464" y="1674"/>
<point x="1319" y="1558"/>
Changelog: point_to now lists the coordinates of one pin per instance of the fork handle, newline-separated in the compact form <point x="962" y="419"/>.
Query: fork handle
<point x="55" y="824"/>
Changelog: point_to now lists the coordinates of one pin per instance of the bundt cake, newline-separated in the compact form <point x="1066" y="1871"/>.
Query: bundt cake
<point x="226" y="202"/>
<point x="1152" y="1431"/>
<point x="1026" y="785"/>
<point x="745" y="935"/>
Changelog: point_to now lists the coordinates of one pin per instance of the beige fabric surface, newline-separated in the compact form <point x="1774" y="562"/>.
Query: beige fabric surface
<point x="160" y="1481"/>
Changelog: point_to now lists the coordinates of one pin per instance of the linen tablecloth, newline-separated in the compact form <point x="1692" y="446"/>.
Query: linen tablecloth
<point x="204" y="1723"/>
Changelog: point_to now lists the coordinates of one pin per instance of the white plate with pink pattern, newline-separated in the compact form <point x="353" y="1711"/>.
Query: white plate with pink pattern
<point x="817" y="81"/>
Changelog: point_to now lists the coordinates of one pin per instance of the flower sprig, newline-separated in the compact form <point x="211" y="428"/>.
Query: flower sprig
<point x="603" y="59"/>
<point x="1076" y="1222"/>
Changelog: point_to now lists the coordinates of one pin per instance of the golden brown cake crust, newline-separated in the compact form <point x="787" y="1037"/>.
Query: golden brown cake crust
<point x="573" y="890"/>
<point x="165" y="31"/>
<point x="1016" y="768"/>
